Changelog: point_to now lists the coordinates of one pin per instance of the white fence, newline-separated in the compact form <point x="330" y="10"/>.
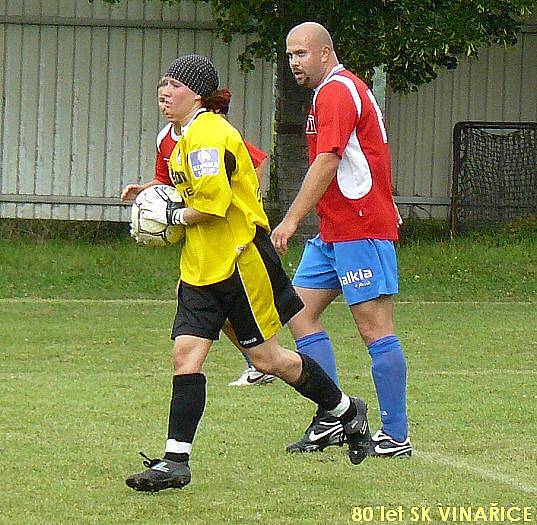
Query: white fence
<point x="79" y="115"/>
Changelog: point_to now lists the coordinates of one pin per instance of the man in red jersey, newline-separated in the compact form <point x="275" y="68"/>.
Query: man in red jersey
<point x="166" y="141"/>
<point x="349" y="184"/>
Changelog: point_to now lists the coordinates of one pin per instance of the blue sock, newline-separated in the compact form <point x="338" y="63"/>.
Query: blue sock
<point x="247" y="359"/>
<point x="318" y="347"/>
<point x="388" y="368"/>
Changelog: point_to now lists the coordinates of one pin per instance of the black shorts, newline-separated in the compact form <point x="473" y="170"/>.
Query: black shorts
<point x="258" y="299"/>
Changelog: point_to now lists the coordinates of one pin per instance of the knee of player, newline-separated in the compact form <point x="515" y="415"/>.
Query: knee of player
<point x="305" y="322"/>
<point x="373" y="330"/>
<point x="180" y="365"/>
<point x="186" y="359"/>
<point x="262" y="364"/>
<point x="269" y="362"/>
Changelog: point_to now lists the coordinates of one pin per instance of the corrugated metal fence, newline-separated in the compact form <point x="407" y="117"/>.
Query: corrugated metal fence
<point x="79" y="115"/>
<point x="500" y="86"/>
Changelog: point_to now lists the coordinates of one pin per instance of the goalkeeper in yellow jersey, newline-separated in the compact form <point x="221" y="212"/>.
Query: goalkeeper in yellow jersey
<point x="229" y="270"/>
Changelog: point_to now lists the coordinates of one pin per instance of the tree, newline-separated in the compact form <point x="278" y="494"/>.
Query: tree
<point x="410" y="39"/>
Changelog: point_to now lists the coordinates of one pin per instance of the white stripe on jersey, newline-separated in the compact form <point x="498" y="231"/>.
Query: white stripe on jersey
<point x="353" y="173"/>
<point x="162" y="133"/>
<point x="333" y="75"/>
<point x="379" y="116"/>
<point x="352" y="89"/>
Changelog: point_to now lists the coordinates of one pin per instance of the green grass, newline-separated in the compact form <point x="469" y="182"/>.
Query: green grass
<point x="465" y="269"/>
<point x="84" y="385"/>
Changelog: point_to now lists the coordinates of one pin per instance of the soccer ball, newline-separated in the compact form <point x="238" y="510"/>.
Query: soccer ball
<point x="148" y="231"/>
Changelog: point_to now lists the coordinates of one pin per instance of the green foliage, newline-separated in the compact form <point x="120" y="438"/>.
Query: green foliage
<point x="410" y="39"/>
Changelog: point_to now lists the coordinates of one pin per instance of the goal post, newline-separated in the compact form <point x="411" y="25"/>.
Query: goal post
<point x="494" y="174"/>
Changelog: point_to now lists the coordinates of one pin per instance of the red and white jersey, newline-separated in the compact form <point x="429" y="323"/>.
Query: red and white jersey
<point x="345" y="119"/>
<point x="166" y="140"/>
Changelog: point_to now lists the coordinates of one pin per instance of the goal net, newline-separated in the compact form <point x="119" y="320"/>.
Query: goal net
<point x="494" y="174"/>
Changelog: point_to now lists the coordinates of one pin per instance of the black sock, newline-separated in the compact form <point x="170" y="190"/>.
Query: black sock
<point x="186" y="408"/>
<point x="349" y="414"/>
<point x="178" y="458"/>
<point x="316" y="385"/>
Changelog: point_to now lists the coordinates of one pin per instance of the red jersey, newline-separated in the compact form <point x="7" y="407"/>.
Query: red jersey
<point x="166" y="140"/>
<point x="345" y="119"/>
<point x="257" y="155"/>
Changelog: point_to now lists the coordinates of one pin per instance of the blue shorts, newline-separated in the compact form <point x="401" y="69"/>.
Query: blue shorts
<point x="362" y="270"/>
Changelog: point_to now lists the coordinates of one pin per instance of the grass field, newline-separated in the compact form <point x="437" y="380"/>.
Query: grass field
<point x="85" y="381"/>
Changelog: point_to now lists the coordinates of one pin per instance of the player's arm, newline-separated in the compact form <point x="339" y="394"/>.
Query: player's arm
<point x="211" y="170"/>
<point x="131" y="191"/>
<point x="191" y="216"/>
<point x="177" y="214"/>
<point x="169" y="211"/>
<point x="336" y="118"/>
<point x="316" y="182"/>
<point x="211" y="167"/>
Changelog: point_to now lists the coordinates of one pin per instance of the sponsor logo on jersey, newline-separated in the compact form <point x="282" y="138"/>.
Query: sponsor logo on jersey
<point x="310" y="126"/>
<point x="359" y="278"/>
<point x="204" y="162"/>
<point x="177" y="177"/>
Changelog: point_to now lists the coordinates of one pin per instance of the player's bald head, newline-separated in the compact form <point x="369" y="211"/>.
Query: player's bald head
<point x="313" y="33"/>
<point x="311" y="53"/>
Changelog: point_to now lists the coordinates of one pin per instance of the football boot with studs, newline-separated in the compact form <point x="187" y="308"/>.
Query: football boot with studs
<point x="384" y="446"/>
<point x="160" y="474"/>
<point x="357" y="433"/>
<point x="324" y="431"/>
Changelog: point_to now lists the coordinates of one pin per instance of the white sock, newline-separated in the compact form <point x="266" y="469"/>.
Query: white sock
<point x="178" y="447"/>
<point x="341" y="407"/>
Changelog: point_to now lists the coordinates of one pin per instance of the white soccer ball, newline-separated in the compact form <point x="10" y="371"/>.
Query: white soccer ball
<point x="148" y="231"/>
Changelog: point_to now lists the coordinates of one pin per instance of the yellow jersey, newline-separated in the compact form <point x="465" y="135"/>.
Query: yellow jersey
<point x="212" y="170"/>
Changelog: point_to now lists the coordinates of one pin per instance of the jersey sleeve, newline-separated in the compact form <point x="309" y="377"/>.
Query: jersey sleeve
<point x="209" y="166"/>
<point x="337" y="117"/>
<point x="161" y="169"/>
<point x="257" y="155"/>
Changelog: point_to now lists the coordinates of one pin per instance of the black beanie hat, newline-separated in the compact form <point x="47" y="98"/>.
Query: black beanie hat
<point x="195" y="72"/>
